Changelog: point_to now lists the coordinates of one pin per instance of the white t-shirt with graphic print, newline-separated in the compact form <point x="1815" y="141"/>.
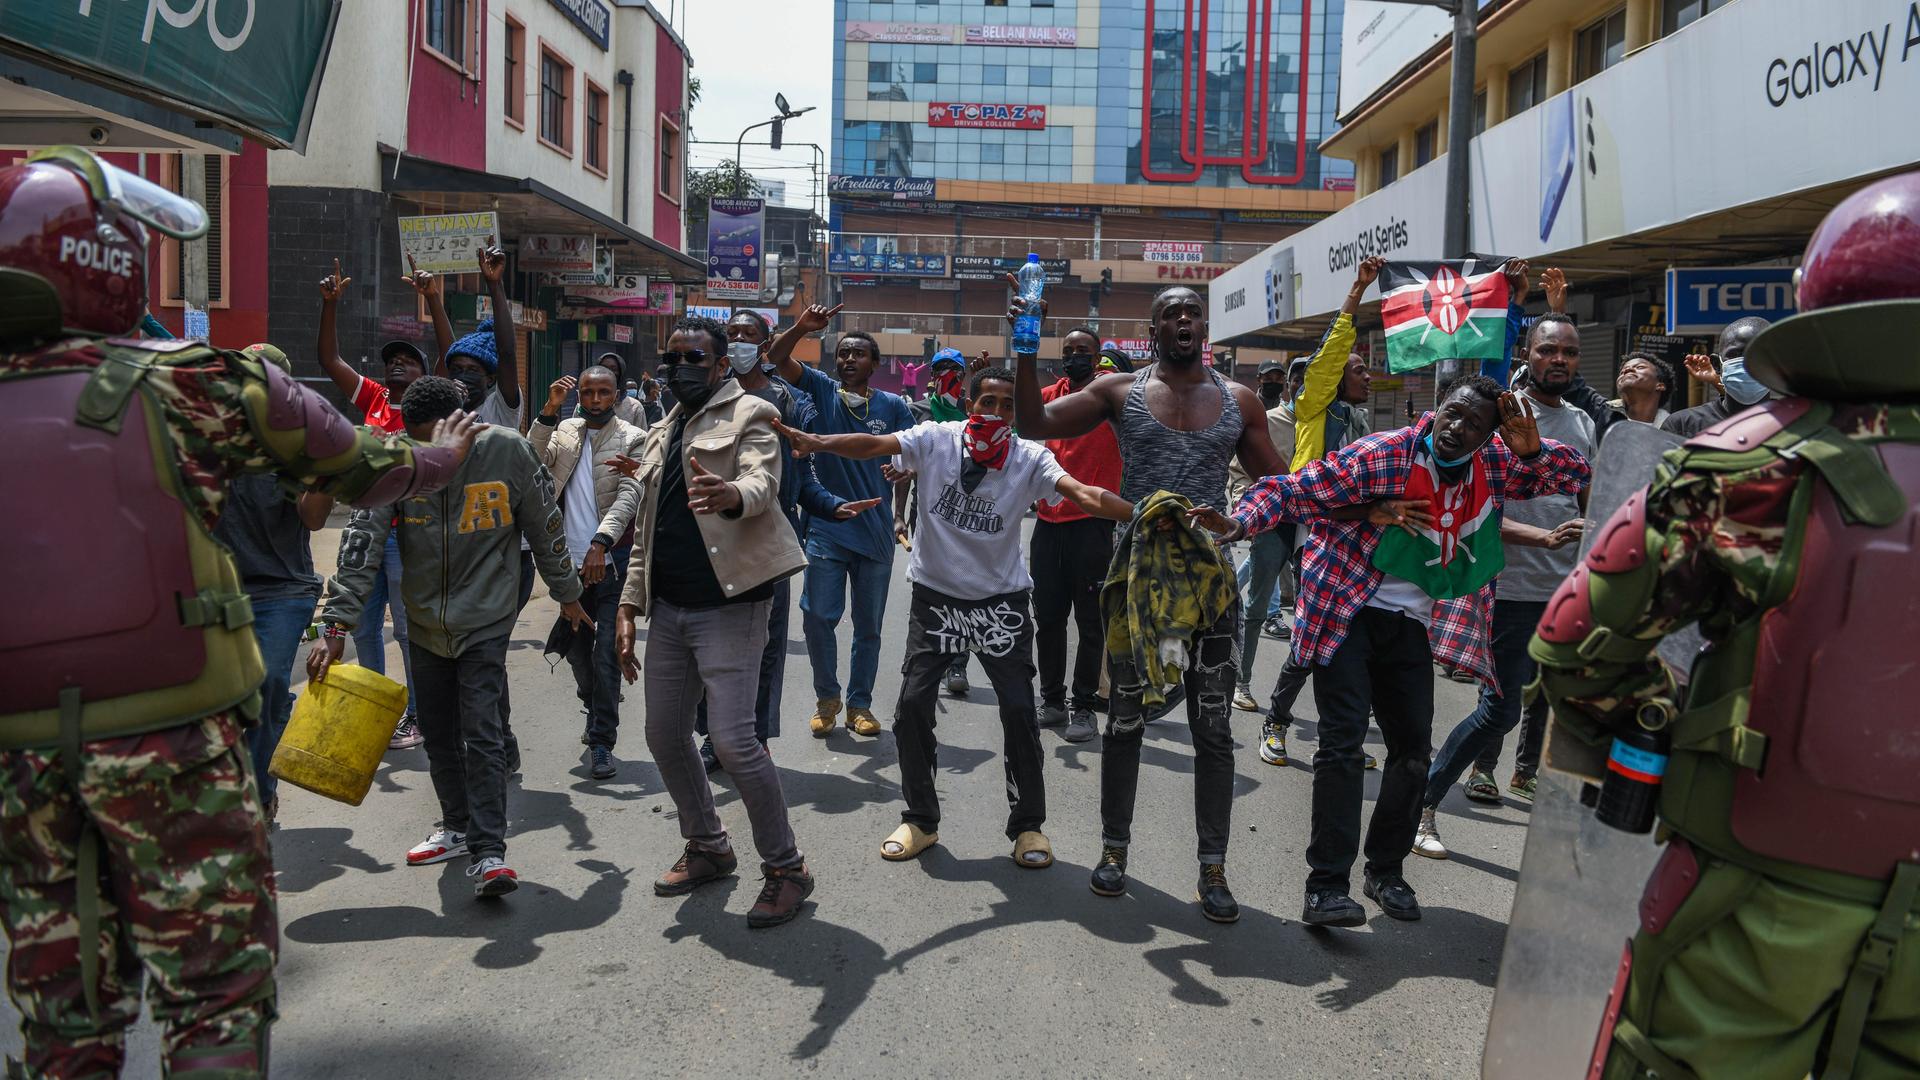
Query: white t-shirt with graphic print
<point x="966" y="544"/>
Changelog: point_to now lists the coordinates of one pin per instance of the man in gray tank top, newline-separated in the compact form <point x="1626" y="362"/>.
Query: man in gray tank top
<point x="1178" y="425"/>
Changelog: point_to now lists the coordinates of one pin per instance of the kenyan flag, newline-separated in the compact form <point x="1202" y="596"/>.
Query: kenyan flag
<point x="1462" y="551"/>
<point x="1441" y="310"/>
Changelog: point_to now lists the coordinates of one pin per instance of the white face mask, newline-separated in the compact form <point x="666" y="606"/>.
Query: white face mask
<point x="742" y="356"/>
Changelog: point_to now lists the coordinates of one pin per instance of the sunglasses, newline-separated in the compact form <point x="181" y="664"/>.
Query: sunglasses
<point x="691" y="356"/>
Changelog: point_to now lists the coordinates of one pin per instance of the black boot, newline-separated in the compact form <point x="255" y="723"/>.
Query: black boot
<point x="1216" y="900"/>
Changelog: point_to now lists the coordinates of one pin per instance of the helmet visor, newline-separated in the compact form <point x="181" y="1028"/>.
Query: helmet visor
<point x="170" y="213"/>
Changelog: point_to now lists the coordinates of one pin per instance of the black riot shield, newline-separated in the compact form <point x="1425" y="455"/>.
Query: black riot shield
<point x="1580" y="881"/>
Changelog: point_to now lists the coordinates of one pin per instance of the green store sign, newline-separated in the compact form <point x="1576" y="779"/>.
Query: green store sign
<point x="250" y="65"/>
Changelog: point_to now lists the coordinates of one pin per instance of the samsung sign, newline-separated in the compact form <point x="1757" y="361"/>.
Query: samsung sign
<point x="1702" y="299"/>
<point x="591" y="16"/>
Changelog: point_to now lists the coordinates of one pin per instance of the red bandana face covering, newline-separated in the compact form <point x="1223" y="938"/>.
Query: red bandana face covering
<point x="946" y="385"/>
<point x="988" y="440"/>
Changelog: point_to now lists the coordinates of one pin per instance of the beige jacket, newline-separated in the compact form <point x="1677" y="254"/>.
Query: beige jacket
<point x="732" y="437"/>
<point x="615" y="497"/>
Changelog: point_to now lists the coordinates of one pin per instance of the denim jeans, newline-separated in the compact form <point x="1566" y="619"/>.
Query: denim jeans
<point x="527" y="575"/>
<point x="596" y="665"/>
<point x="1007" y="655"/>
<point x="715" y="652"/>
<point x="1209" y="687"/>
<point x="1526" y="757"/>
<point x="464" y="729"/>
<point x="773" y="670"/>
<point x="369" y="646"/>
<point x="833" y="571"/>
<point x="1259" y="579"/>
<point x="278" y="624"/>
<point x="1384" y="666"/>
<point x="1499" y="710"/>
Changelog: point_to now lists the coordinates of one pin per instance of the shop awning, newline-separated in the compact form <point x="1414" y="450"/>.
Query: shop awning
<point x="528" y="207"/>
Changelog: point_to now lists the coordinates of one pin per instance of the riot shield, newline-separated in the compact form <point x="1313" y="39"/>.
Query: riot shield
<point x="1580" y="881"/>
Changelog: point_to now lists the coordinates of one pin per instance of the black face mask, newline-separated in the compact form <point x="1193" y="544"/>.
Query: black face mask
<point x="689" y="386"/>
<point x="596" y="417"/>
<point x="1078" y="369"/>
<point x="1271" y="394"/>
<point x="476" y="385"/>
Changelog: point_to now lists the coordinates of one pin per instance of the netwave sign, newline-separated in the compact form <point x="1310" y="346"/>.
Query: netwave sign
<point x="591" y="16"/>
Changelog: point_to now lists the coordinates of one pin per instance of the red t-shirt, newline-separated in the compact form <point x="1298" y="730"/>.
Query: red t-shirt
<point x="372" y="397"/>
<point x="1093" y="458"/>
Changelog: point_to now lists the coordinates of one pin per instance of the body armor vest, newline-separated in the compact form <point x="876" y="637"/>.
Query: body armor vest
<point x="132" y="616"/>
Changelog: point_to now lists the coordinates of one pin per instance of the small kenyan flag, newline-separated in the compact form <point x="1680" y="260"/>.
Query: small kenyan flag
<point x="1462" y="551"/>
<point x="1444" y="310"/>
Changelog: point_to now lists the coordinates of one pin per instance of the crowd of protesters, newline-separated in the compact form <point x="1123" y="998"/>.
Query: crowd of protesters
<point x="697" y="499"/>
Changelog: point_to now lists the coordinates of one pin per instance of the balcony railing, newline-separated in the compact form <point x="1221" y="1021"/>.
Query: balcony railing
<point x="945" y="326"/>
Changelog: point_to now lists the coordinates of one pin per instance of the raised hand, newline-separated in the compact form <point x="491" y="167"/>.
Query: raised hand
<point x="1517" y="427"/>
<point x="1368" y="271"/>
<point x="1411" y="515"/>
<point x="1554" y="280"/>
<point x="816" y="317"/>
<point x="1015" y="309"/>
<point x="624" y="465"/>
<point x="334" y="284"/>
<point x="1517" y="281"/>
<point x="850" y="510"/>
<point x="1701" y="367"/>
<point x="707" y="493"/>
<point x="557" y="393"/>
<point x="456" y="433"/>
<point x="493" y="262"/>
<point x="980" y="363"/>
<point x="424" y="282"/>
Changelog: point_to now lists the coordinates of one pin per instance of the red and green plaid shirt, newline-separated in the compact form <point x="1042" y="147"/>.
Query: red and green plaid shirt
<point x="1337" y="576"/>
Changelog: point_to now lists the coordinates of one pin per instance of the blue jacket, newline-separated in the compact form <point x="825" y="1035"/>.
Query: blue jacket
<point x="871" y="534"/>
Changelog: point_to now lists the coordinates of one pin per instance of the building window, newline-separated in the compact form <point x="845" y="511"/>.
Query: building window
<point x="1527" y="85"/>
<point x="1389" y="165"/>
<point x="1600" y="46"/>
<point x="1480" y="111"/>
<point x="1426" y="143"/>
<point x="926" y="73"/>
<point x="515" y="72"/>
<point x="449" y="32"/>
<point x="879" y="71"/>
<point x="670" y="164"/>
<point x="556" y="101"/>
<point x="174" y="260"/>
<point x="1675" y="14"/>
<point x="596" y="129"/>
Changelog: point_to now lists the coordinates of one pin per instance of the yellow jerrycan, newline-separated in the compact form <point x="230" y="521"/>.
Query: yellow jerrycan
<point x="338" y="731"/>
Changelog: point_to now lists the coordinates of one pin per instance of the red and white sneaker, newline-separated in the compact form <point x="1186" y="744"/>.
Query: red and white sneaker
<point x="444" y="844"/>
<point x="496" y="878"/>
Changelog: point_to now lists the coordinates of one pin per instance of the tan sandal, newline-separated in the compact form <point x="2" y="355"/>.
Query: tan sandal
<point x="907" y="842"/>
<point x="1029" y="844"/>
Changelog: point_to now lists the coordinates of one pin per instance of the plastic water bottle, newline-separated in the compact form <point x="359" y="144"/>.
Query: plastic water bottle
<point x="1026" y="328"/>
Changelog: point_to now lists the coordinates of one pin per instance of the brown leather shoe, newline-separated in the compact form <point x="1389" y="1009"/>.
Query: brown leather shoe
<point x="780" y="897"/>
<point x="862" y="722"/>
<point x="696" y="867"/>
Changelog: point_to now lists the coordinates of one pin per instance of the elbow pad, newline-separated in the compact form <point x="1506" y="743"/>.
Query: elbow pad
<point x="1608" y="591"/>
<point x="432" y="468"/>
<point x="301" y="426"/>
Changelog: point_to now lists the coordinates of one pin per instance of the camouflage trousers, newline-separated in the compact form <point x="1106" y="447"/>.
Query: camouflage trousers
<point x="184" y="895"/>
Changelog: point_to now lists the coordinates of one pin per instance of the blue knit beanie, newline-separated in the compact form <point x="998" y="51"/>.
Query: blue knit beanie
<point x="480" y="345"/>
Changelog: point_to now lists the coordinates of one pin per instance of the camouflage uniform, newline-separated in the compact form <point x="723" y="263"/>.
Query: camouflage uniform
<point x="1751" y="960"/>
<point x="153" y="842"/>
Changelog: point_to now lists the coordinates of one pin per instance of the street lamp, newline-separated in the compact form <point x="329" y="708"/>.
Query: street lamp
<point x="1455" y="236"/>
<point x="777" y="123"/>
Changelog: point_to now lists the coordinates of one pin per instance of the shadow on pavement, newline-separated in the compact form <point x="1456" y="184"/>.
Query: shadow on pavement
<point x="308" y="858"/>
<point x="509" y="929"/>
<point x="1370" y="964"/>
<point x="530" y="811"/>
<point x="807" y="952"/>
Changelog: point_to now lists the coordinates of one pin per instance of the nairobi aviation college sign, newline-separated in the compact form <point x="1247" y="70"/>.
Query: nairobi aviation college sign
<point x="970" y="114"/>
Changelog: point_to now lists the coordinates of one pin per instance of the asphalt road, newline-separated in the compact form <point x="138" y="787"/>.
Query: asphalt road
<point x="960" y="964"/>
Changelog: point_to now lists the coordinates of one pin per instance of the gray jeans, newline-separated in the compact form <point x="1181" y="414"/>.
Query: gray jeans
<point x="717" y="651"/>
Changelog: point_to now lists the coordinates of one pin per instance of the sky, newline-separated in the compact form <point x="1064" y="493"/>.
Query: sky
<point x="746" y="51"/>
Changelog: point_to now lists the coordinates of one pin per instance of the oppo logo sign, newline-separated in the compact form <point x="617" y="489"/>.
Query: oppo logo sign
<point x="181" y="14"/>
<point x="93" y="255"/>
